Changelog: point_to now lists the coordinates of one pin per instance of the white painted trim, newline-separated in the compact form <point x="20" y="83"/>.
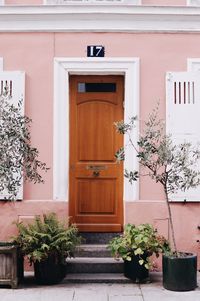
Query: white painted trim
<point x="99" y="18"/>
<point x="1" y="64"/>
<point x="193" y="2"/>
<point x="63" y="67"/>
<point x="96" y="2"/>
<point x="193" y="64"/>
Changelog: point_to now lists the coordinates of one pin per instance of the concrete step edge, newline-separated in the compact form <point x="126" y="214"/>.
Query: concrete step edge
<point x="93" y="260"/>
<point x="96" y="278"/>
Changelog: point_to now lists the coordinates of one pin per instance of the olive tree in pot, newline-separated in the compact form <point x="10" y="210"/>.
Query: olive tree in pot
<point x="19" y="161"/>
<point x="47" y="242"/>
<point x="18" y="158"/>
<point x="174" y="167"/>
<point x="135" y="246"/>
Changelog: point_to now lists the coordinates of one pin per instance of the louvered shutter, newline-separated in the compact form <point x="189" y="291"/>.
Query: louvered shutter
<point x="15" y="81"/>
<point x="183" y="116"/>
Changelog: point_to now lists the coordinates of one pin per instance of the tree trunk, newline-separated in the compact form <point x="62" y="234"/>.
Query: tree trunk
<point x="171" y="223"/>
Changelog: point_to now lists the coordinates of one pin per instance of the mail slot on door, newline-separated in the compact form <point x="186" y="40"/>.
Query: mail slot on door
<point x="96" y="167"/>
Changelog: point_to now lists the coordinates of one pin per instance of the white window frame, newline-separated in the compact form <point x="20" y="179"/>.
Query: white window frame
<point x="193" y="64"/>
<point x="2" y="2"/>
<point x="1" y="64"/>
<point x="193" y="2"/>
<point x="98" y="2"/>
<point x="63" y="68"/>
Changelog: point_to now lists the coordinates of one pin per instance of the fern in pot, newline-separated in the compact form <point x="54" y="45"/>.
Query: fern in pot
<point x="136" y="246"/>
<point x="174" y="168"/>
<point x="47" y="242"/>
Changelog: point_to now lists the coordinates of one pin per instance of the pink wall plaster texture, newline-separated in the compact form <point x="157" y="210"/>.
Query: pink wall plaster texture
<point x="23" y="2"/>
<point x="34" y="53"/>
<point x="164" y="2"/>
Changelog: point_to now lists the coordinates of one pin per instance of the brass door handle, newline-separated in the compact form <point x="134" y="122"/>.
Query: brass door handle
<point x="96" y="173"/>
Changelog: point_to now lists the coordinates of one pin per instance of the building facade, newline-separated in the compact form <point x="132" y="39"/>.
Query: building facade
<point x="81" y="65"/>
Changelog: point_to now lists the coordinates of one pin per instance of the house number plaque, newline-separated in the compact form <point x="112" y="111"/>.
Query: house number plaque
<point x="95" y="51"/>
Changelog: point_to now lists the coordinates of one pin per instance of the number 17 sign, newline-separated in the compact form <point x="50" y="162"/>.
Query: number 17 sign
<point x="95" y="51"/>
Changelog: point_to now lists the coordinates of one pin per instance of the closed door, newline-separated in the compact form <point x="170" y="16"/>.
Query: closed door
<point x="96" y="180"/>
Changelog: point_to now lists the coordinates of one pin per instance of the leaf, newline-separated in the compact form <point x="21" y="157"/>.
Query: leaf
<point x="47" y="236"/>
<point x="138" y="251"/>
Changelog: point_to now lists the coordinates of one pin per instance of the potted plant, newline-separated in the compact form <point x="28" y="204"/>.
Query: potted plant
<point x="174" y="167"/>
<point x="18" y="159"/>
<point x="47" y="242"/>
<point x="135" y="246"/>
<point x="11" y="264"/>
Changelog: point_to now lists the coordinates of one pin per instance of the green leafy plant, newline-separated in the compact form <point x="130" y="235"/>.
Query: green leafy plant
<point x="142" y="240"/>
<point x="47" y="237"/>
<point x="173" y="166"/>
<point x="18" y="159"/>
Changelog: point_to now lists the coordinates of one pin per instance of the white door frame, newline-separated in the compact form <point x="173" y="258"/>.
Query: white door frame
<point x="63" y="68"/>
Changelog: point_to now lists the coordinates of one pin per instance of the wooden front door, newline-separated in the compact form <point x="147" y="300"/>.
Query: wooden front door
<point x="96" y="180"/>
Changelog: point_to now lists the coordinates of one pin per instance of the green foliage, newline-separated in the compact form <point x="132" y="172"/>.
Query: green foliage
<point x="173" y="166"/>
<point x="18" y="158"/>
<point x="138" y="240"/>
<point x="47" y="237"/>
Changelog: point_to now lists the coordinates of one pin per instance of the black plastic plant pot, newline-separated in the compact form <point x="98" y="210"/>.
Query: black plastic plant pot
<point x="49" y="271"/>
<point x="180" y="273"/>
<point x="134" y="271"/>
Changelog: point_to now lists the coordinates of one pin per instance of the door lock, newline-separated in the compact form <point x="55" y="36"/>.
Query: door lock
<point x="96" y="173"/>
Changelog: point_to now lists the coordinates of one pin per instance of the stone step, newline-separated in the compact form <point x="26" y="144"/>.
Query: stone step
<point x="97" y="238"/>
<point x="96" y="278"/>
<point x="86" y="250"/>
<point x="83" y="278"/>
<point x="94" y="265"/>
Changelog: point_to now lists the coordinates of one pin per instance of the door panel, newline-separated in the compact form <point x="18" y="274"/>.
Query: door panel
<point x="96" y="181"/>
<point x="91" y="201"/>
<point x="95" y="119"/>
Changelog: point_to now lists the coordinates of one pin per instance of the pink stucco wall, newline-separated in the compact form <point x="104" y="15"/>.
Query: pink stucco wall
<point x="23" y="2"/>
<point x="158" y="53"/>
<point x="164" y="2"/>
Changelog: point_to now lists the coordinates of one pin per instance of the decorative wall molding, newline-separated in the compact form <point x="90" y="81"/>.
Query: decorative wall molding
<point x="63" y="67"/>
<point x="99" y="18"/>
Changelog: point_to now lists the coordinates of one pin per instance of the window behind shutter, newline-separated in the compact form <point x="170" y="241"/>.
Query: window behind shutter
<point x="183" y="116"/>
<point x="15" y="82"/>
<point x="193" y="2"/>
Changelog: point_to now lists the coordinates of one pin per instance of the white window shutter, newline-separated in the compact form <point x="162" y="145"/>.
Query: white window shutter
<point x="15" y="81"/>
<point x="183" y="116"/>
<point x="193" y="2"/>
